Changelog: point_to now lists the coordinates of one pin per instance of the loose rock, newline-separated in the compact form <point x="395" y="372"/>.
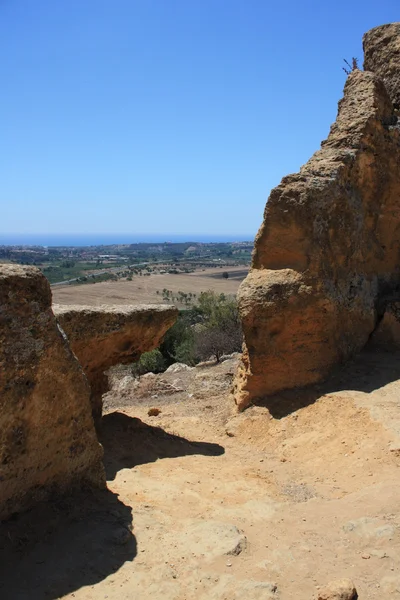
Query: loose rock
<point x="343" y="589"/>
<point x="153" y="412"/>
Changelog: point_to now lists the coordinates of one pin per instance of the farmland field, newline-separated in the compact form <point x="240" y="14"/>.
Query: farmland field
<point x="143" y="289"/>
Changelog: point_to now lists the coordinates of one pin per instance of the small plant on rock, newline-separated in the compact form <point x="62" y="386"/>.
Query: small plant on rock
<point x="351" y="67"/>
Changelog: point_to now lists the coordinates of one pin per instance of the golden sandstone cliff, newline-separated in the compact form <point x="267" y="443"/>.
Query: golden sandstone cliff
<point x="47" y="438"/>
<point x="109" y="335"/>
<point x="48" y="443"/>
<point x="326" y="258"/>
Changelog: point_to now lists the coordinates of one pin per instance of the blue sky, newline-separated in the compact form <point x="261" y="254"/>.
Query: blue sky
<point x="165" y="116"/>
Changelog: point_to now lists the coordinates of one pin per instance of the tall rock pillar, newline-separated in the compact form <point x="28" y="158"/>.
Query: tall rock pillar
<point x="327" y="255"/>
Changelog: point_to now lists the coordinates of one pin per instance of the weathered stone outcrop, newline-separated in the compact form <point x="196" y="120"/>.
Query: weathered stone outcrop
<point x="47" y="437"/>
<point x="344" y="589"/>
<point x="108" y="335"/>
<point x="326" y="257"/>
<point x="381" y="56"/>
<point x="387" y="334"/>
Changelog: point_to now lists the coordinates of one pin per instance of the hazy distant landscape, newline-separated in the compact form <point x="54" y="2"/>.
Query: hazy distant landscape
<point x="137" y="273"/>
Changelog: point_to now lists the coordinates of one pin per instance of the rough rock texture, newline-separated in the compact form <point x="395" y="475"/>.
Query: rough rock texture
<point x="47" y="437"/>
<point x="381" y="56"/>
<point x="108" y="335"/>
<point x="387" y="335"/>
<point x="326" y="257"/>
<point x="343" y="589"/>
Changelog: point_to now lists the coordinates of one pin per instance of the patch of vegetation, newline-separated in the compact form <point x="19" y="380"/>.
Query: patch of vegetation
<point x="351" y="67"/>
<point x="64" y="270"/>
<point x="180" y="297"/>
<point x="149" y="362"/>
<point x="205" y="331"/>
<point x="208" y="330"/>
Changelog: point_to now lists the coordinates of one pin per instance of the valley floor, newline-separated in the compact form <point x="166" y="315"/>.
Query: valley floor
<point x="148" y="289"/>
<point x="207" y="504"/>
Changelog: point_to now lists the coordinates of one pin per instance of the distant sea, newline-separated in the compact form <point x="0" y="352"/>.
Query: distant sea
<point x="108" y="239"/>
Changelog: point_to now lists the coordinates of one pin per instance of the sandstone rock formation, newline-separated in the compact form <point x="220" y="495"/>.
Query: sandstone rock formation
<point x="387" y="334"/>
<point x="108" y="335"/>
<point x="381" y="50"/>
<point x="47" y="436"/>
<point x="344" y="589"/>
<point x="326" y="257"/>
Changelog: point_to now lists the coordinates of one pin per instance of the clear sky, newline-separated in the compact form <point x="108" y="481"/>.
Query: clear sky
<point x="165" y="116"/>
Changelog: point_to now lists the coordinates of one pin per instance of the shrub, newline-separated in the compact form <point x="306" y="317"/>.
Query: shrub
<point x="149" y="362"/>
<point x="178" y="344"/>
<point x="210" y="329"/>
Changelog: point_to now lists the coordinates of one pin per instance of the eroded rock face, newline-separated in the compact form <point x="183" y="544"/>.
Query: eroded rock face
<point x="47" y="436"/>
<point x="326" y="257"/>
<point x="108" y="335"/>
<point x="387" y="334"/>
<point x="381" y="56"/>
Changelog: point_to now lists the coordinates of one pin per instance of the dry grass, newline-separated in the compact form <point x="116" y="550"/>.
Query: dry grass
<point x="143" y="289"/>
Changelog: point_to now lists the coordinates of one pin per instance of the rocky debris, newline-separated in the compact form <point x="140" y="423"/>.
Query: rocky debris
<point x="166" y="388"/>
<point x="104" y="336"/>
<point x="178" y="367"/>
<point x="342" y="589"/>
<point x="387" y="334"/>
<point x="370" y="528"/>
<point x="225" y="357"/>
<point x="298" y="492"/>
<point x="207" y="382"/>
<point x="153" y="385"/>
<point x="326" y="256"/>
<point x="47" y="437"/>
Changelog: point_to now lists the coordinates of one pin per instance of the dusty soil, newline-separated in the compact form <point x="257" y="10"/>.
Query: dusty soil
<point x="143" y="289"/>
<point x="204" y="503"/>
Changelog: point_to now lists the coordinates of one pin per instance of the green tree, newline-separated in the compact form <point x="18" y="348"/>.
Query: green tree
<point x="178" y="344"/>
<point x="210" y="329"/>
<point x="221" y="331"/>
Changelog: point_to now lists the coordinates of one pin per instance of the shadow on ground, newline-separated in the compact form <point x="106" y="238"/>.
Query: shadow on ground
<point x="367" y="372"/>
<point x="128" y="442"/>
<point x="58" y="547"/>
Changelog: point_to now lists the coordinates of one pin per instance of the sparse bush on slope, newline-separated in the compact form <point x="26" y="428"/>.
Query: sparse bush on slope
<point x="206" y="331"/>
<point x="149" y="362"/>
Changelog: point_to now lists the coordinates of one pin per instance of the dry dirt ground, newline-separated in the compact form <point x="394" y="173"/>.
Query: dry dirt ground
<point x="143" y="289"/>
<point x="207" y="504"/>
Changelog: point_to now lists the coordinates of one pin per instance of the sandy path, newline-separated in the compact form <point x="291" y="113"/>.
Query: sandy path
<point x="252" y="506"/>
